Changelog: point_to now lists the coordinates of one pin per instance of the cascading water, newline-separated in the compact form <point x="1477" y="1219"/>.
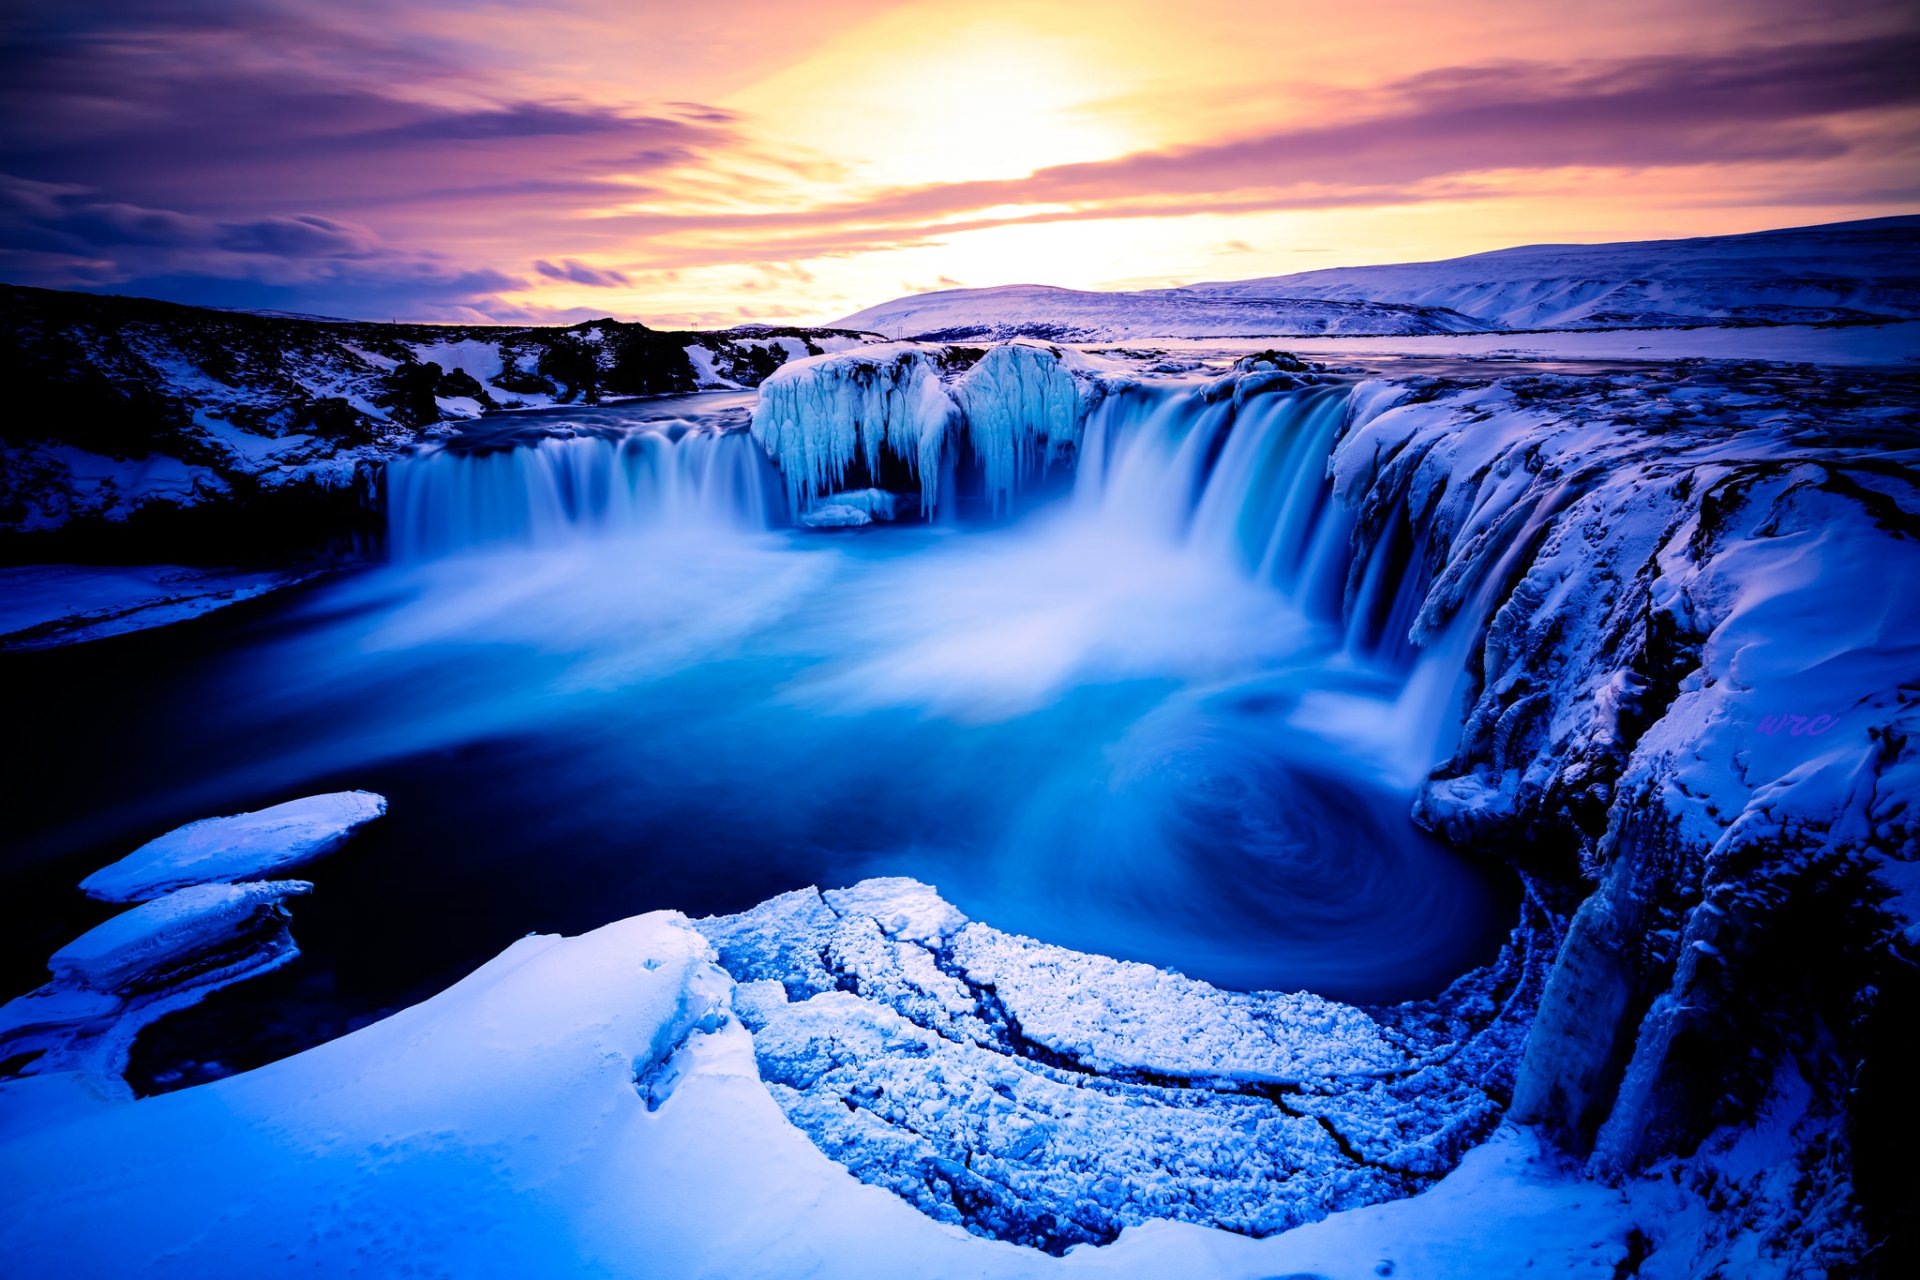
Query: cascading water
<point x="1123" y="719"/>
<point x="558" y="490"/>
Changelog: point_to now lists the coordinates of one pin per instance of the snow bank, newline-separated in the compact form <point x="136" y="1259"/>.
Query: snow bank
<point x="593" y="1104"/>
<point x="246" y="846"/>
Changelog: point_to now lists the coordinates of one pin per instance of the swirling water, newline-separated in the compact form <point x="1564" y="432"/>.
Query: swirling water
<point x="602" y="675"/>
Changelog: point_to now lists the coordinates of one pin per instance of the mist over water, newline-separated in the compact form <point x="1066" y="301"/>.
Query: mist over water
<point x="1104" y="723"/>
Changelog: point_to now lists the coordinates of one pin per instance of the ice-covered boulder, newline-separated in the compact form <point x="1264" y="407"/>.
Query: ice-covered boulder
<point x="1024" y="404"/>
<point x="817" y="416"/>
<point x="1018" y="407"/>
<point x="244" y="846"/>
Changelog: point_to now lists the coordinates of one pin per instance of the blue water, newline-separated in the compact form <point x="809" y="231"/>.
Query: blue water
<point x="1075" y="725"/>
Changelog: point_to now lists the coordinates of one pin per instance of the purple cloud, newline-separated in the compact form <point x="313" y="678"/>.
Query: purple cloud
<point x="578" y="272"/>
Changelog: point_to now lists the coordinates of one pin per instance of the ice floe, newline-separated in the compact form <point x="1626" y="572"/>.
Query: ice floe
<point x="243" y="846"/>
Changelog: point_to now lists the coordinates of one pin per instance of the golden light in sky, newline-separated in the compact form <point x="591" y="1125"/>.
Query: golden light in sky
<point x="763" y="160"/>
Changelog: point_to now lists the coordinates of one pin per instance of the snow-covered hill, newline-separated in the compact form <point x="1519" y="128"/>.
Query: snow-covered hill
<point x="1844" y="272"/>
<point x="1807" y="275"/>
<point x="1071" y="315"/>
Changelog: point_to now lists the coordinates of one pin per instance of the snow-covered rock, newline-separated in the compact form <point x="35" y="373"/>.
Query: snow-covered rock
<point x="140" y="965"/>
<point x="834" y="515"/>
<point x="244" y="846"/>
<point x="1017" y="407"/>
<point x="1031" y="1093"/>
<point x="1023" y="404"/>
<point x="1697" y="586"/>
<point x="817" y="417"/>
<point x="151" y="410"/>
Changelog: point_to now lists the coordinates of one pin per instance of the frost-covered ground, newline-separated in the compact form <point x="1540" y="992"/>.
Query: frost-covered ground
<point x="1894" y="344"/>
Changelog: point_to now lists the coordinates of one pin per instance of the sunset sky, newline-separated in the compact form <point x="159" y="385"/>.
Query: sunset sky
<point x="781" y="160"/>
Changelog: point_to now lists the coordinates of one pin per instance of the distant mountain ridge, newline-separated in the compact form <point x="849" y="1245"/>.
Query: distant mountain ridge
<point x="1072" y="315"/>
<point x="1845" y="272"/>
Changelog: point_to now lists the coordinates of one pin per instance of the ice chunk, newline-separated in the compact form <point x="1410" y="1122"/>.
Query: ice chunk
<point x="144" y="963"/>
<point x="905" y="909"/>
<point x="143" y="947"/>
<point x="241" y="847"/>
<point x="835" y="515"/>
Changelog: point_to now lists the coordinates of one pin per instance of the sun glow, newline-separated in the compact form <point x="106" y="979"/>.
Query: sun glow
<point x="907" y="102"/>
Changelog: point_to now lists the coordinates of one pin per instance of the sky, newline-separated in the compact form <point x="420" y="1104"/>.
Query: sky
<point x="787" y="161"/>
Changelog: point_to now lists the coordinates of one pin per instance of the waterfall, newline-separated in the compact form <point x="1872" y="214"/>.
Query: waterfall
<point x="556" y="490"/>
<point x="1236" y="471"/>
<point x="1241" y="482"/>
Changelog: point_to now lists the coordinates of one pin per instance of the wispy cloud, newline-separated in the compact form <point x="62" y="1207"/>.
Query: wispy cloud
<point x="415" y="157"/>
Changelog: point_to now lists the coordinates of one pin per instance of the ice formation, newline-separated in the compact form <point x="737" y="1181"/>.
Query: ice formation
<point x="1663" y="564"/>
<point x="1023" y="405"/>
<point x="1018" y="407"/>
<point x="142" y="964"/>
<point x="817" y="416"/>
<point x="245" y="846"/>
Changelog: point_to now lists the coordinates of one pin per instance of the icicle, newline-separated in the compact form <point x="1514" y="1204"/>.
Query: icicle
<point x="816" y="416"/>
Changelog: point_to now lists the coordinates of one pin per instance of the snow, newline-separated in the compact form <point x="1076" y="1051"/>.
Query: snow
<point x="705" y="375"/>
<point x="245" y="846"/>
<point x="1068" y="315"/>
<point x="1843" y="272"/>
<point x="478" y="358"/>
<point x="140" y="965"/>
<point x="1896" y="343"/>
<point x="593" y="1103"/>
<point x="46" y="605"/>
